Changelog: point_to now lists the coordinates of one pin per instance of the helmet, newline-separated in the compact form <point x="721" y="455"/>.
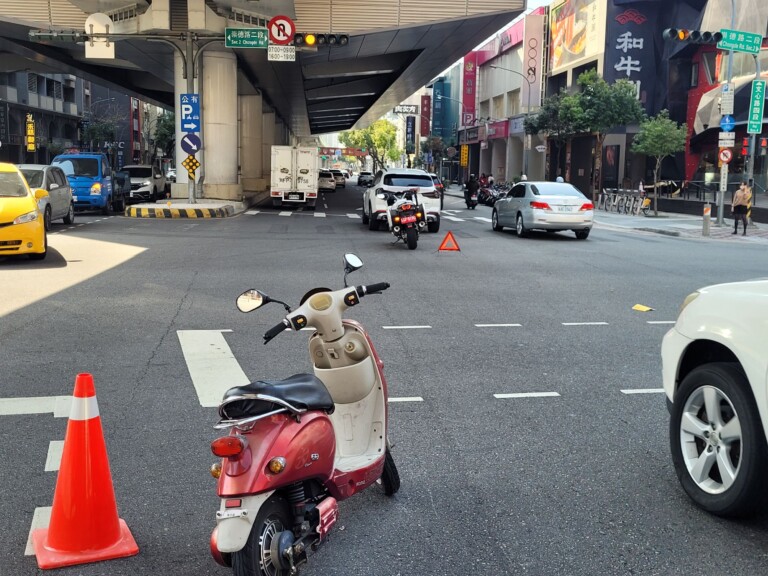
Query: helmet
<point x="559" y="179"/>
<point x="472" y="176"/>
<point x="523" y="177"/>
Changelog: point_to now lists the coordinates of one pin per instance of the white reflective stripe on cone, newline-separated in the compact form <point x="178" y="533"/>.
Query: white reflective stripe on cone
<point x="84" y="408"/>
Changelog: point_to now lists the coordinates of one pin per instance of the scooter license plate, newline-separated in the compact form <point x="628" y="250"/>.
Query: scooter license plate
<point x="474" y="197"/>
<point x="407" y="219"/>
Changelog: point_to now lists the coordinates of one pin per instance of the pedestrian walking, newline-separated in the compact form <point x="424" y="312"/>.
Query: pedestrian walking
<point x="739" y="207"/>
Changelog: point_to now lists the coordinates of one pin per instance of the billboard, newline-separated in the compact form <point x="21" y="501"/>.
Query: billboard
<point x="577" y="30"/>
<point x="438" y="90"/>
<point x="533" y="59"/>
<point x="468" y="89"/>
<point x="426" y="114"/>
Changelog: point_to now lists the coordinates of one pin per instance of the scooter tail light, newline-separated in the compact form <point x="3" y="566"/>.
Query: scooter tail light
<point x="540" y="205"/>
<point x="228" y="446"/>
<point x="587" y="206"/>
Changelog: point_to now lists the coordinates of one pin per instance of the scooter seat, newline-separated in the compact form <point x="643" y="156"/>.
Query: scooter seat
<point x="303" y="391"/>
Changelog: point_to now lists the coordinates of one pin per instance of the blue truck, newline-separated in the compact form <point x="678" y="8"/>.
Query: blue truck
<point x="95" y="186"/>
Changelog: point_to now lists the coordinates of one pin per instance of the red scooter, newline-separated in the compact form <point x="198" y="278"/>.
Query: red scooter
<point x="298" y="446"/>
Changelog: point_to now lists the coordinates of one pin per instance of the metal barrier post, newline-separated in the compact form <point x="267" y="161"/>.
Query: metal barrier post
<point x="707" y="219"/>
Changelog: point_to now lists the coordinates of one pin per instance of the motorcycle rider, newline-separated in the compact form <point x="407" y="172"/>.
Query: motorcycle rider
<point x="471" y="189"/>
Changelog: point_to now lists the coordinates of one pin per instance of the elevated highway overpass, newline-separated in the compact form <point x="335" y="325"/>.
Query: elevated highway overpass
<point x="249" y="103"/>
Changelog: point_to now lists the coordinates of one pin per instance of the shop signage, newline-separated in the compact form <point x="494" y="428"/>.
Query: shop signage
<point x="407" y="109"/>
<point x="410" y="134"/>
<point x="30" y="134"/>
<point x="3" y="123"/>
<point x="464" y="156"/>
<point x="498" y="130"/>
<point x="469" y="85"/>
<point x="438" y="127"/>
<point x="426" y="113"/>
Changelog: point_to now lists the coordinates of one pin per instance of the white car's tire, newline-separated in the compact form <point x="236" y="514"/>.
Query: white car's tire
<point x="717" y="441"/>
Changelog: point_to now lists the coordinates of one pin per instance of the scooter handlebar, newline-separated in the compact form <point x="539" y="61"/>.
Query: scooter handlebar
<point x="372" y="288"/>
<point x="275" y="330"/>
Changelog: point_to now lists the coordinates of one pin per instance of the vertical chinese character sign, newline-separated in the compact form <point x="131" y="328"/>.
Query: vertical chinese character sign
<point x="30" y="134"/>
<point x="426" y="112"/>
<point x="629" y="47"/>
<point x="410" y="134"/>
<point x="469" y="92"/>
<point x="438" y="127"/>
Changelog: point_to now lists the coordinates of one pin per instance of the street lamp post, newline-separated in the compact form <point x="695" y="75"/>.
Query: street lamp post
<point x="463" y="106"/>
<point x="526" y="144"/>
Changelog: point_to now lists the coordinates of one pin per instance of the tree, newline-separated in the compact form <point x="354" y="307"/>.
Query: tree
<point x="560" y="117"/>
<point x="606" y="106"/>
<point x="378" y="139"/>
<point x="165" y="133"/>
<point x="659" y="137"/>
<point x="432" y="145"/>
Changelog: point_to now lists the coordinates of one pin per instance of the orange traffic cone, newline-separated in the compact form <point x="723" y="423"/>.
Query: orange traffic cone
<point x="84" y="523"/>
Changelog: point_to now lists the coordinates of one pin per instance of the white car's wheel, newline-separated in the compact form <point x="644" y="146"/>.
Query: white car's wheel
<point x="717" y="441"/>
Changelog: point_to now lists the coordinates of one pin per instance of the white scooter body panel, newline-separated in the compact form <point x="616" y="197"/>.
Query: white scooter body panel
<point x="234" y="524"/>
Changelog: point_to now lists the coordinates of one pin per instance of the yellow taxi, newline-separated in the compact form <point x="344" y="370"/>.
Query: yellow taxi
<point x="22" y="226"/>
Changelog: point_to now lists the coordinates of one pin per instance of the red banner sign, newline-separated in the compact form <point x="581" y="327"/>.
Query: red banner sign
<point x="426" y="114"/>
<point x="469" y="89"/>
<point x="343" y="151"/>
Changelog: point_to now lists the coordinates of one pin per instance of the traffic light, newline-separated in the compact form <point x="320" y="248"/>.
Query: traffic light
<point x="692" y="36"/>
<point x="312" y="39"/>
<point x="763" y="146"/>
<point x="744" y="146"/>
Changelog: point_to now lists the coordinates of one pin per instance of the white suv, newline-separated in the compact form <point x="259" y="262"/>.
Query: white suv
<point x="398" y="180"/>
<point x="715" y="372"/>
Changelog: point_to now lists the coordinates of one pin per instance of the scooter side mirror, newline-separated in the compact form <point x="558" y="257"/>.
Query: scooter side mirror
<point x="381" y="196"/>
<point x="352" y="262"/>
<point x="250" y="300"/>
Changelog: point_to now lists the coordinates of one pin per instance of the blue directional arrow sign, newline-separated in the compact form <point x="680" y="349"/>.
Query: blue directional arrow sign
<point x="727" y="124"/>
<point x="190" y="112"/>
<point x="191" y="143"/>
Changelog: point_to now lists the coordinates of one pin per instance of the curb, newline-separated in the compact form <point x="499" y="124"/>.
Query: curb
<point x="222" y="212"/>
<point x="659" y="231"/>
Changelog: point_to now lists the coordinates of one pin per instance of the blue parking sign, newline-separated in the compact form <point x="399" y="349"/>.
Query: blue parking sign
<point x="190" y="112"/>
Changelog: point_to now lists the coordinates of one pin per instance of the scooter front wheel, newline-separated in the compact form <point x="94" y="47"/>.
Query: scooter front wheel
<point x="259" y="555"/>
<point x="390" y="478"/>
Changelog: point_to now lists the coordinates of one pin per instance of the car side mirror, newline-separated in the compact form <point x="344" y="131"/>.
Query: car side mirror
<point x="40" y="193"/>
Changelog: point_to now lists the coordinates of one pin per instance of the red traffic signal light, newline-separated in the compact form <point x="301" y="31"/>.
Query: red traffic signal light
<point x="313" y="39"/>
<point x="692" y="36"/>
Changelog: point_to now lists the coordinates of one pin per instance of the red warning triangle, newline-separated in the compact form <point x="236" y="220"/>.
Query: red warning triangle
<point x="449" y="244"/>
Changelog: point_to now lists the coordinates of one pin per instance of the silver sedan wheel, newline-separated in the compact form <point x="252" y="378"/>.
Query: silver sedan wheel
<point x="711" y="439"/>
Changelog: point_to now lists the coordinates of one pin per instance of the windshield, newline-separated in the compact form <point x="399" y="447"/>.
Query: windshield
<point x="34" y="178"/>
<point x="138" y="171"/>
<point x="326" y="175"/>
<point x="552" y="189"/>
<point x="88" y="167"/>
<point x="365" y="173"/>
<point x="11" y="185"/>
<point x="407" y="180"/>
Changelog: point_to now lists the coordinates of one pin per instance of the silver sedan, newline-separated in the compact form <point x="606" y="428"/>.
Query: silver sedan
<point x="550" y="206"/>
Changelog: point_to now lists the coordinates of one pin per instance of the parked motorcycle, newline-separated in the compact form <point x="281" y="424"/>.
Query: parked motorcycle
<point x="406" y="217"/>
<point x="298" y="446"/>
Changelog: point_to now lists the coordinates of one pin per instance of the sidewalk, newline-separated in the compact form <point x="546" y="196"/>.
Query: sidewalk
<point x="667" y="223"/>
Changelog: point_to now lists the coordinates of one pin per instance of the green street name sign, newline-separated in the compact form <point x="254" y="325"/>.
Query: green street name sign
<point x="246" y="38"/>
<point x="756" y="106"/>
<point x="740" y="41"/>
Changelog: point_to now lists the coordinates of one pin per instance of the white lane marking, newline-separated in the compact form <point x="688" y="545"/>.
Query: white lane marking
<point x="482" y="218"/>
<point x="527" y="395"/>
<point x="319" y="214"/>
<point x="285" y="213"/>
<point x="355" y="216"/>
<point x="498" y="325"/>
<point x="660" y="321"/>
<point x="40" y="519"/>
<point x="211" y="364"/>
<point x="56" y="405"/>
<point x="251" y="212"/>
<point x="53" y="460"/>
<point x="325" y="206"/>
<point x="451" y="211"/>
<point x="407" y="399"/>
<point x="453" y="218"/>
<point x="404" y="327"/>
<point x="643" y="391"/>
<point x="585" y="323"/>
<point x="359" y="209"/>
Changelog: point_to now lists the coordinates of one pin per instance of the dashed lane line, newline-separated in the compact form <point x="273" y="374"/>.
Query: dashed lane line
<point x="453" y="218"/>
<point x="285" y="213"/>
<point x="53" y="460"/>
<point x="481" y="218"/>
<point x="355" y="216"/>
<point x="584" y="323"/>
<point x="252" y="212"/>
<point x="319" y="214"/>
<point x="41" y="519"/>
<point x="404" y="327"/>
<point x="643" y="391"/>
<point x="407" y="399"/>
<point x="498" y="325"/>
<point x="56" y="405"/>
<point x="661" y="321"/>
<point x="527" y="395"/>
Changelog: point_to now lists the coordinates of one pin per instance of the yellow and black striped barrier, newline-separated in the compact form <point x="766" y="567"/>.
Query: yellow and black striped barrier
<point x="144" y="212"/>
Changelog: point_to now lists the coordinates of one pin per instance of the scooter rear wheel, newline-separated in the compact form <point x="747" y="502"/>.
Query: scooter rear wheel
<point x="256" y="558"/>
<point x="390" y="478"/>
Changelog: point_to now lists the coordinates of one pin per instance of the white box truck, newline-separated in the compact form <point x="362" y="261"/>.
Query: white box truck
<point x="295" y="171"/>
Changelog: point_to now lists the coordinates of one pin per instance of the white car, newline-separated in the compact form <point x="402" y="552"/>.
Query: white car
<point x="340" y="179"/>
<point x="399" y="180"/>
<point x="715" y="373"/>
<point x="326" y="182"/>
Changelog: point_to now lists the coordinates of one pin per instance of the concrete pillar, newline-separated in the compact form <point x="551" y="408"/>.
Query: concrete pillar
<point x="219" y="113"/>
<point x="267" y="139"/>
<point x="251" y="160"/>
